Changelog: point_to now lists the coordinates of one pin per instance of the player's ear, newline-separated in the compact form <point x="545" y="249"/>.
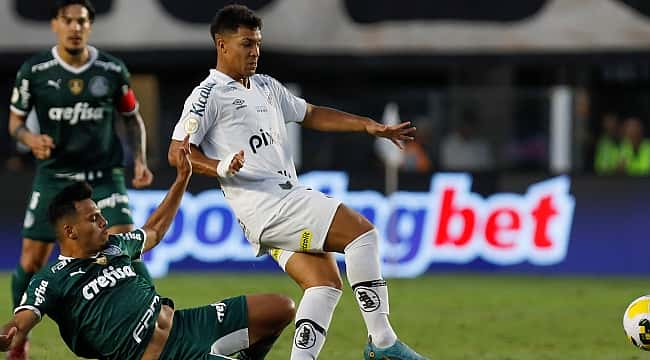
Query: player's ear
<point x="69" y="232"/>
<point x="54" y="25"/>
<point x="220" y="42"/>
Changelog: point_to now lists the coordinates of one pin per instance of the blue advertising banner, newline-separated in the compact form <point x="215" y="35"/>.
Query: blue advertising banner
<point x="584" y="225"/>
<point x="447" y="225"/>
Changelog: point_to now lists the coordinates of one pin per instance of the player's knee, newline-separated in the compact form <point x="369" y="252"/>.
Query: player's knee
<point x="31" y="263"/>
<point x="287" y="310"/>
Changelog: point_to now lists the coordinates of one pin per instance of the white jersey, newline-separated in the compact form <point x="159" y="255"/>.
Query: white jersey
<point x="223" y="117"/>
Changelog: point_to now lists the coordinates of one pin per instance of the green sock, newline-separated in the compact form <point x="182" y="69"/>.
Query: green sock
<point x="141" y="269"/>
<point x="19" y="282"/>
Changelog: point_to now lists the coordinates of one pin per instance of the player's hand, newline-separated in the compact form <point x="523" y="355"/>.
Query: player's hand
<point x="183" y="163"/>
<point x="5" y="339"/>
<point x="230" y="165"/>
<point x="394" y="133"/>
<point x="41" y="145"/>
<point x="142" y="176"/>
<point x="237" y="162"/>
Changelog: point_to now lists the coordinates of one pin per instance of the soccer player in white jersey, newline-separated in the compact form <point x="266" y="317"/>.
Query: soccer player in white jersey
<point x="238" y="119"/>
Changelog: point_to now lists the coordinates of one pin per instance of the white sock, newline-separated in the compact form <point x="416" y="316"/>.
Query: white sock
<point x="313" y="319"/>
<point x="370" y="290"/>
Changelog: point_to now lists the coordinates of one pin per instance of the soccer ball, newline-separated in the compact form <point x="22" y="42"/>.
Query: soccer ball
<point x="636" y="322"/>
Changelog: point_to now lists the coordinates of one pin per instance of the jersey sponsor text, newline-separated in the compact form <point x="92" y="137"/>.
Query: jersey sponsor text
<point x="80" y="112"/>
<point x="109" y="278"/>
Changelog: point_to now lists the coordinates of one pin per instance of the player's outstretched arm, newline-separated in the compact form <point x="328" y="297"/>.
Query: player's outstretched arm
<point x="158" y="223"/>
<point x="332" y="120"/>
<point x="16" y="329"/>
<point x="204" y="165"/>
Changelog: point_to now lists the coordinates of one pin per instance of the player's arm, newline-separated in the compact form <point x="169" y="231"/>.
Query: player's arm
<point x="327" y="119"/>
<point x="136" y="137"/>
<point x="16" y="330"/>
<point x="204" y="165"/>
<point x="40" y="144"/>
<point x="159" y="222"/>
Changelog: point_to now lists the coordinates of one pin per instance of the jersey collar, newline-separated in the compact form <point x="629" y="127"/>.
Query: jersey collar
<point x="92" y="51"/>
<point x="223" y="78"/>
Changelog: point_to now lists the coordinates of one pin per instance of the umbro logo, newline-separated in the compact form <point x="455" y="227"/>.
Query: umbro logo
<point x="55" y="84"/>
<point x="239" y="103"/>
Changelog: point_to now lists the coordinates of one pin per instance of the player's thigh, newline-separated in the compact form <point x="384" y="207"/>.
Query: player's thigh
<point x="301" y="223"/>
<point x="36" y="225"/>
<point x="111" y="197"/>
<point x="310" y="270"/>
<point x="219" y="328"/>
<point x="346" y="226"/>
<point x="35" y="254"/>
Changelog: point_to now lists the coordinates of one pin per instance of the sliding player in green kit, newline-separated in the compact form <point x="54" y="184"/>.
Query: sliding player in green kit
<point x="104" y="310"/>
<point x="74" y="90"/>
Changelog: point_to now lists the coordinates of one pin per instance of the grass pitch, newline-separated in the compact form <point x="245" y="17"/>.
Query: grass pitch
<point x="449" y="316"/>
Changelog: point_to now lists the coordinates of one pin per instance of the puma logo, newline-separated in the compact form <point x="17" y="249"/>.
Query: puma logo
<point x="78" y="272"/>
<point x="55" y="84"/>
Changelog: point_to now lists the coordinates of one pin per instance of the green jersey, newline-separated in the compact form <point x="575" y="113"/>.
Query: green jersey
<point x="75" y="106"/>
<point x="102" y="308"/>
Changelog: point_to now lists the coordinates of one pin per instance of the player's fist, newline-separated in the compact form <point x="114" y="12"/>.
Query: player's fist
<point x="142" y="176"/>
<point x="231" y="165"/>
<point x="41" y="145"/>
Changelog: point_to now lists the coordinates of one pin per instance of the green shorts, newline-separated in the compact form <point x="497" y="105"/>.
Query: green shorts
<point x="109" y="192"/>
<point x="201" y="333"/>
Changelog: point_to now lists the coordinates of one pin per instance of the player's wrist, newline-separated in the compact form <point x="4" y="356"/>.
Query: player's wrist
<point x="223" y="167"/>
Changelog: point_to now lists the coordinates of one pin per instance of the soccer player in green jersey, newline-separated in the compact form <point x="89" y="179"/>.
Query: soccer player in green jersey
<point x="74" y="89"/>
<point x="104" y="310"/>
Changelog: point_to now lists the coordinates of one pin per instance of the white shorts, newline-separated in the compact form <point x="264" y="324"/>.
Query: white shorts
<point x="301" y="224"/>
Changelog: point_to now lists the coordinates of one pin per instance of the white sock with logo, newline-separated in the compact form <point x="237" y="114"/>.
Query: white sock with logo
<point x="313" y="318"/>
<point x="370" y="290"/>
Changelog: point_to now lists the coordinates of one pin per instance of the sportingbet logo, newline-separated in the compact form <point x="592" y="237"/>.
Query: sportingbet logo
<point x="109" y="278"/>
<point x="80" y="112"/>
<point x="449" y="224"/>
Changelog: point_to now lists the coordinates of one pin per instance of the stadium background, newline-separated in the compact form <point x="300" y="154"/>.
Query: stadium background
<point x="531" y="78"/>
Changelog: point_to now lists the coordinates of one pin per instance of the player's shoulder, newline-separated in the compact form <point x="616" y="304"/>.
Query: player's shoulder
<point x="109" y="62"/>
<point x="264" y="80"/>
<point x="39" y="62"/>
<point x="54" y="268"/>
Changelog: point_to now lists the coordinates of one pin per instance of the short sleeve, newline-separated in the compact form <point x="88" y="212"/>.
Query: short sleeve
<point x="198" y="116"/>
<point x="131" y="243"/>
<point x="21" y="96"/>
<point x="293" y="107"/>
<point x="40" y="297"/>
<point x="125" y="100"/>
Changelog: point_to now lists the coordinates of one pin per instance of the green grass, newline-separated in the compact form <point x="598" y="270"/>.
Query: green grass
<point x="491" y="317"/>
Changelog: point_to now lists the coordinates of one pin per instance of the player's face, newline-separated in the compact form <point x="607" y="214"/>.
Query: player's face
<point x="72" y="27"/>
<point x="241" y="50"/>
<point x="91" y="226"/>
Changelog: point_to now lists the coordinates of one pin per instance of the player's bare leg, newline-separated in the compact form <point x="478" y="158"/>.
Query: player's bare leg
<point x="318" y="275"/>
<point x="353" y="235"/>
